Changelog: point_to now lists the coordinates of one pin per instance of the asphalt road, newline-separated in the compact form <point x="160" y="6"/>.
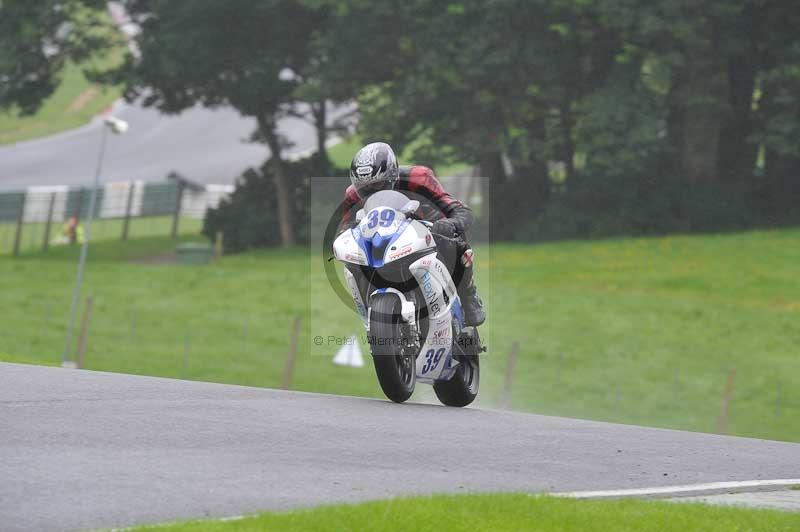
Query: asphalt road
<point x="83" y="450"/>
<point x="205" y="145"/>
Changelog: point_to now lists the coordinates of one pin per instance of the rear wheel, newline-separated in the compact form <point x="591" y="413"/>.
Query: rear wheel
<point x="395" y="369"/>
<point x="462" y="388"/>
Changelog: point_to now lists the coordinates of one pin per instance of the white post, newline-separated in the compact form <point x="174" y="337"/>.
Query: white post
<point x="117" y="126"/>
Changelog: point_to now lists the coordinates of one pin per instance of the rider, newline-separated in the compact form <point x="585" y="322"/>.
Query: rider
<point x="375" y="168"/>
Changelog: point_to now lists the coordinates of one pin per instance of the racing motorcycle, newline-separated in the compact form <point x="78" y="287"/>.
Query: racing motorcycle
<point x="408" y="302"/>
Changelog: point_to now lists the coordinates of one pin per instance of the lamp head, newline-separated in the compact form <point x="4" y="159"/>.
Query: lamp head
<point x="116" y="125"/>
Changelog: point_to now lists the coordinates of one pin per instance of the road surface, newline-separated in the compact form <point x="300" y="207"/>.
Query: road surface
<point x="86" y="450"/>
<point x="204" y="145"/>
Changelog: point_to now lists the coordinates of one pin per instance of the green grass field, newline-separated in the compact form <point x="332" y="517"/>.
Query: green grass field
<point x="642" y="331"/>
<point x="505" y="512"/>
<point x="32" y="237"/>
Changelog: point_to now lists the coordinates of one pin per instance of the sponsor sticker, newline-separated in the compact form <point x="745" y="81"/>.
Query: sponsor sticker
<point x="401" y="253"/>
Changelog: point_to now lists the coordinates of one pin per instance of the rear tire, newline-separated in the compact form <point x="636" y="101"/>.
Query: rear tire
<point x="396" y="371"/>
<point x="462" y="388"/>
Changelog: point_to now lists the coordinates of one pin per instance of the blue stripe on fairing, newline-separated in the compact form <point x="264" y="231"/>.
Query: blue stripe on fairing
<point x="367" y="245"/>
<point x="457" y="311"/>
<point x="359" y="237"/>
<point x="448" y="370"/>
<point x="377" y="262"/>
<point x="400" y="229"/>
<point x="458" y="314"/>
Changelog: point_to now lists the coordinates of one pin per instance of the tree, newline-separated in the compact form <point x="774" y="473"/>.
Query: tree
<point x="488" y="83"/>
<point x="242" y="217"/>
<point x="778" y="115"/>
<point x="216" y="53"/>
<point x="37" y="39"/>
<point x="642" y="112"/>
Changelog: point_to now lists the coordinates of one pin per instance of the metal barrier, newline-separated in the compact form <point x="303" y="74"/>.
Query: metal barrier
<point x="50" y="215"/>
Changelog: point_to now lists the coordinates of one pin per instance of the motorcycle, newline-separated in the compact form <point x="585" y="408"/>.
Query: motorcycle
<point x="408" y="302"/>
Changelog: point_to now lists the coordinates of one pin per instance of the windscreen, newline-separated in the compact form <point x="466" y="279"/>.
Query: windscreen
<point x="386" y="198"/>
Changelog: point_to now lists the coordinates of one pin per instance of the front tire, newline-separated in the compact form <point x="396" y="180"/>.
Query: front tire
<point x="396" y="370"/>
<point x="462" y="388"/>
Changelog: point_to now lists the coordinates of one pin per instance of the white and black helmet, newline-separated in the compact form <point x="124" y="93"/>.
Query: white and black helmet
<point x="374" y="168"/>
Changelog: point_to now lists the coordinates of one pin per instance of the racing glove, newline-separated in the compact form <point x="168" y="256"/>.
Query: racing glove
<point x="444" y="227"/>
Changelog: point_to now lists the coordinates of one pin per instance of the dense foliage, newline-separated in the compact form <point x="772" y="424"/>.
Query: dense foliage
<point x="591" y="117"/>
<point x="248" y="219"/>
<point x="36" y="40"/>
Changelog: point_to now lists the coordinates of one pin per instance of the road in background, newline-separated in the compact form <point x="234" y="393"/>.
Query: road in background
<point x="204" y="145"/>
<point x="87" y="450"/>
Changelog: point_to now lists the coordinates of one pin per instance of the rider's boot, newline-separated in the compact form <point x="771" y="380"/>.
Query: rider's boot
<point x="474" y="314"/>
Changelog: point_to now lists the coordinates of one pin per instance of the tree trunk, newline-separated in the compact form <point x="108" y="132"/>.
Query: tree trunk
<point x="322" y="163"/>
<point x="781" y="169"/>
<point x="495" y="189"/>
<point x="779" y="110"/>
<point x="698" y="107"/>
<point x="286" y="227"/>
<point x="534" y="185"/>
<point x="568" y="146"/>
<point x="737" y="155"/>
<point x="783" y="181"/>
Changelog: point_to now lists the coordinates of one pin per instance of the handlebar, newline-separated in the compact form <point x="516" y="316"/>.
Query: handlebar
<point x="428" y="224"/>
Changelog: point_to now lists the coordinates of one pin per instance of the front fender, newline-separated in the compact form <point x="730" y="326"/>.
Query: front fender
<point x="407" y="308"/>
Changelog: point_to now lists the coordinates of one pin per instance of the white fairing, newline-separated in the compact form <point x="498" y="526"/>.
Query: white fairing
<point x="346" y="249"/>
<point x="352" y="286"/>
<point x="435" y="361"/>
<point x="406" y="237"/>
<point x="415" y="237"/>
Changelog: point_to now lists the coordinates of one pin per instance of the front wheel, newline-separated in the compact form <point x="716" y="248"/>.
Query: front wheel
<point x="396" y="370"/>
<point x="462" y="388"/>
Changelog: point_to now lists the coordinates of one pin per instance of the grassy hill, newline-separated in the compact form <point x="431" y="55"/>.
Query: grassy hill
<point x="73" y="104"/>
<point x="647" y="331"/>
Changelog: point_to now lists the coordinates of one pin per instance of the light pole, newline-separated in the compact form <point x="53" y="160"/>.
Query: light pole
<point x="117" y="126"/>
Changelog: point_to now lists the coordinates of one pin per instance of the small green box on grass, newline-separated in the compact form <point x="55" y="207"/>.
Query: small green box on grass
<point x="194" y="253"/>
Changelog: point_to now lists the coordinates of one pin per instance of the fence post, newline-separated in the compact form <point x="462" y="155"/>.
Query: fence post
<point x="177" y="215"/>
<point x="128" y="208"/>
<point x="20" y="221"/>
<point x="49" y="223"/>
<point x="291" y="355"/>
<point x="82" y="339"/>
<point x="218" y="245"/>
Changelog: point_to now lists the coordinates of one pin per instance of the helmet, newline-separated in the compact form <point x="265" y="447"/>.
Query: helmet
<point x="374" y="168"/>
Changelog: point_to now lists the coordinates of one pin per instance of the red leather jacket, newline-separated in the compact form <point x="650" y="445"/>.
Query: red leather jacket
<point x="419" y="183"/>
